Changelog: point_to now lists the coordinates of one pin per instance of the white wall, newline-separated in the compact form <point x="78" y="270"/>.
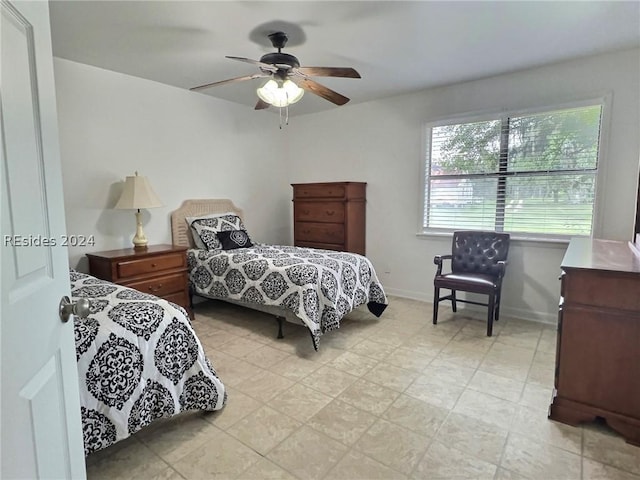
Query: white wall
<point x="188" y="144"/>
<point x="194" y="146"/>
<point x="380" y="143"/>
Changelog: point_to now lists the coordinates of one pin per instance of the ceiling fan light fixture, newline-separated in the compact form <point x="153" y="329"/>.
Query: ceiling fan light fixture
<point x="280" y="94"/>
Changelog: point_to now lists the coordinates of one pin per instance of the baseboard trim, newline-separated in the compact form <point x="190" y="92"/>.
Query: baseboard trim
<point x="549" y="318"/>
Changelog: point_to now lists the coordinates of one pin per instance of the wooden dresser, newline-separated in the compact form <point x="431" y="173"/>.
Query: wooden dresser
<point x="330" y="215"/>
<point x="160" y="270"/>
<point x="598" y="353"/>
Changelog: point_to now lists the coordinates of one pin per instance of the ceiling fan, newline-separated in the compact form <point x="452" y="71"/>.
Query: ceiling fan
<point x="288" y="80"/>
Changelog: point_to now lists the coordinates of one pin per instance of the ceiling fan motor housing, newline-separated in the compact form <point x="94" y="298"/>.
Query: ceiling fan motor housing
<point x="280" y="59"/>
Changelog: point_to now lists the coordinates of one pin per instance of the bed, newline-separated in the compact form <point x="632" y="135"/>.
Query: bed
<point x="307" y="286"/>
<point x="138" y="360"/>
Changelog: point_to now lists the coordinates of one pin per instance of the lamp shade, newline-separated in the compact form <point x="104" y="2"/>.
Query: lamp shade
<point x="137" y="193"/>
<point x="280" y="94"/>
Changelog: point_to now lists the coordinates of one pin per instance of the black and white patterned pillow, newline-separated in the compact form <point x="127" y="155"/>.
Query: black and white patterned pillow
<point x="207" y="228"/>
<point x="232" y="239"/>
<point x="194" y="234"/>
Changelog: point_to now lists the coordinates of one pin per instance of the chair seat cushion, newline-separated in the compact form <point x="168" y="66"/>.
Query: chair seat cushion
<point x="466" y="281"/>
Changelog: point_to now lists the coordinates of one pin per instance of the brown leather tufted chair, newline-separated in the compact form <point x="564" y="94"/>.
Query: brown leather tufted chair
<point x="478" y="262"/>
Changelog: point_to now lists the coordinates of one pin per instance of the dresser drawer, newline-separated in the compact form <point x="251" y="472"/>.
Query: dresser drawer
<point x="319" y="191"/>
<point x="321" y="246"/>
<point x="599" y="359"/>
<point x="320" y="232"/>
<point x="131" y="268"/>
<point x="160" y="286"/>
<point x="601" y="289"/>
<point x="319" y="212"/>
<point x="330" y="215"/>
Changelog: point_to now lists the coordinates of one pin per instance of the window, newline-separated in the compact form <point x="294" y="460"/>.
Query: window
<point x="533" y="175"/>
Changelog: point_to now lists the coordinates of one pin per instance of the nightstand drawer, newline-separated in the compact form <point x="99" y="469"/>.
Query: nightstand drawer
<point x="131" y="268"/>
<point x="160" y="270"/>
<point x="180" y="298"/>
<point x="160" y="286"/>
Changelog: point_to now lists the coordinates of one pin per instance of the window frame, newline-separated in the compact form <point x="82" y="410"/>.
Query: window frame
<point x="604" y="100"/>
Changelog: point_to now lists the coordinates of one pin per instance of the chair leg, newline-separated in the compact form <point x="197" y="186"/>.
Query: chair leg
<point x="454" y="305"/>
<point x="436" y="300"/>
<point x="490" y="315"/>
<point x="497" y="315"/>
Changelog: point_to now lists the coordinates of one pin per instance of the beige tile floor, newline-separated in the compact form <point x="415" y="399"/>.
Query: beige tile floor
<point x="388" y="398"/>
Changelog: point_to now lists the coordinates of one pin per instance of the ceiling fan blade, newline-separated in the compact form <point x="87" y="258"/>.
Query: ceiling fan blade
<point x="230" y="80"/>
<point x="344" y="72"/>
<point x="322" y="91"/>
<point x="266" y="66"/>
<point x="261" y="105"/>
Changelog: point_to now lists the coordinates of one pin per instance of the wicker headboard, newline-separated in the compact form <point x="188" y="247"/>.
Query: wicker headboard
<point x="180" y="232"/>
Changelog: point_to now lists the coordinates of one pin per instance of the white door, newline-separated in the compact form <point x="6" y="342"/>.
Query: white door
<point x="41" y="427"/>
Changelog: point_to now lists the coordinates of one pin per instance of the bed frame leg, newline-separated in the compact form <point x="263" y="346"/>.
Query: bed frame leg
<point x="280" y="320"/>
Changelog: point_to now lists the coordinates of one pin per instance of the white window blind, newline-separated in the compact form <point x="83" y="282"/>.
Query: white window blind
<point x="532" y="174"/>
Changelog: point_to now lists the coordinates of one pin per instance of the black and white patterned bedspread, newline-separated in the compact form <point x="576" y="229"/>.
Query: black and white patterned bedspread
<point x="138" y="360"/>
<point x="318" y="286"/>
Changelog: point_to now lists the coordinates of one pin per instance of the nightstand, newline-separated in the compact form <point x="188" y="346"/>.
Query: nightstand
<point x="160" y="270"/>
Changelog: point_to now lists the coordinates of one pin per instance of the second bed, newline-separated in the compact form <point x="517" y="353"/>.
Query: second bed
<point x="313" y="287"/>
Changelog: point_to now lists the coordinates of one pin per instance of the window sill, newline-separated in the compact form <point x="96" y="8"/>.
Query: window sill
<point x="561" y="242"/>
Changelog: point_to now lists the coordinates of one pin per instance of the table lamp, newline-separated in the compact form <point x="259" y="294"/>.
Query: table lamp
<point x="136" y="194"/>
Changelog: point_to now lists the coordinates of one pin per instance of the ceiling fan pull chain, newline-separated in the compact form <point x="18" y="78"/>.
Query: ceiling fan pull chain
<point x="287" y="107"/>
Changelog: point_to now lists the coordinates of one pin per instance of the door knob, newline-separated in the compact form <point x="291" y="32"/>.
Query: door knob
<point x="79" y="308"/>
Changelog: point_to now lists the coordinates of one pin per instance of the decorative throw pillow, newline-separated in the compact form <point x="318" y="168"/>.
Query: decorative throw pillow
<point x="206" y="228"/>
<point x="232" y="239"/>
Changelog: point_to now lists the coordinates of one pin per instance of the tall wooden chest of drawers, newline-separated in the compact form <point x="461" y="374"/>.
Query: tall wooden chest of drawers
<point x="160" y="270"/>
<point x="330" y="215"/>
<point x="598" y="352"/>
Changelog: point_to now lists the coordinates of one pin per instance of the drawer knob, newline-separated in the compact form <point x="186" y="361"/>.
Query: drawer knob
<point x="156" y="289"/>
<point x="330" y="212"/>
<point x="153" y="265"/>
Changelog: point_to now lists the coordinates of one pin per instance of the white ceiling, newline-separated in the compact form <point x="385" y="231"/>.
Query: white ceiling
<point x="397" y="46"/>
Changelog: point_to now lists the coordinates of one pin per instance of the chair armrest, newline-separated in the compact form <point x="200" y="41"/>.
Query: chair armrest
<point x="502" y="264"/>
<point x="437" y="260"/>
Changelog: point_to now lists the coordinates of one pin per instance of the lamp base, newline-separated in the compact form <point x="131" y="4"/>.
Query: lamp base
<point x="140" y="241"/>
